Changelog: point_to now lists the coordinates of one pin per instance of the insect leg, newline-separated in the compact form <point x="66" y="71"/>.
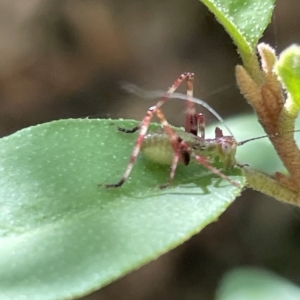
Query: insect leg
<point x="137" y="147"/>
<point x="203" y="161"/>
<point x="143" y="127"/>
<point x="181" y="149"/>
<point x="194" y="123"/>
<point x="190" y="112"/>
<point x="175" y="161"/>
<point x="185" y="76"/>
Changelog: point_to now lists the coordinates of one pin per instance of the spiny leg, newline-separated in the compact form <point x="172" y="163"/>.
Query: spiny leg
<point x="143" y="127"/>
<point x="180" y="153"/>
<point x="194" y="123"/>
<point x="203" y="161"/>
<point x="185" y="76"/>
<point x="190" y="111"/>
<point x="175" y="160"/>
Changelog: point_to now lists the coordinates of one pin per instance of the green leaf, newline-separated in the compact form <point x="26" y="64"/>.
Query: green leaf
<point x="245" y="21"/>
<point x="62" y="236"/>
<point x="288" y="69"/>
<point x="253" y="284"/>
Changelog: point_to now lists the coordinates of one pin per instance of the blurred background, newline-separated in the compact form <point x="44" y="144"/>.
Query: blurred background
<point x="66" y="59"/>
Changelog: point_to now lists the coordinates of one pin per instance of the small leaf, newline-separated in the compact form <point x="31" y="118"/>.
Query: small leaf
<point x="245" y="21"/>
<point x="288" y="69"/>
<point x="253" y="284"/>
<point x="62" y="236"/>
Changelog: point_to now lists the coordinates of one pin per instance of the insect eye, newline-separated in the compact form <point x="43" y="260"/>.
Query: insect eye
<point x="226" y="147"/>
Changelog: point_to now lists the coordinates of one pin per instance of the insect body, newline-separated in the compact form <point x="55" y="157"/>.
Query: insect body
<point x="173" y="147"/>
<point x="157" y="148"/>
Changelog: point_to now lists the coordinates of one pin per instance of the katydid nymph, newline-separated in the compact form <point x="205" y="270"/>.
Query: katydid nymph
<point x="171" y="147"/>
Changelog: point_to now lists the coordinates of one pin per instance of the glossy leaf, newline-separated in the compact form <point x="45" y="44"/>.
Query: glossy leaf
<point x="62" y="236"/>
<point x="245" y="21"/>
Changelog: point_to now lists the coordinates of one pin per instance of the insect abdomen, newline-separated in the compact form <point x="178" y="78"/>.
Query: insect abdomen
<point x="157" y="147"/>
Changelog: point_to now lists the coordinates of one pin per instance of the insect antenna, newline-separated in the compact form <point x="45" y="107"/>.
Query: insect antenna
<point x="264" y="136"/>
<point x="131" y="88"/>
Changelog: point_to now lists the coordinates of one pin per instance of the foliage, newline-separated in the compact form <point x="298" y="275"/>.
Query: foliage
<point x="62" y="236"/>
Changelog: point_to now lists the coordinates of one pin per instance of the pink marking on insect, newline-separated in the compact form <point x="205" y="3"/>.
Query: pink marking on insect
<point x="172" y="147"/>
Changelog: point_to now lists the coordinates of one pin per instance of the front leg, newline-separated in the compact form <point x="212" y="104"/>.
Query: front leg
<point x="180" y="153"/>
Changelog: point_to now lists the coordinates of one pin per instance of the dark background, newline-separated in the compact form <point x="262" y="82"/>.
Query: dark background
<point x="62" y="59"/>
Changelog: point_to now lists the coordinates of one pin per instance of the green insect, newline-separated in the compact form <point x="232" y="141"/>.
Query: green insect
<point x="172" y="147"/>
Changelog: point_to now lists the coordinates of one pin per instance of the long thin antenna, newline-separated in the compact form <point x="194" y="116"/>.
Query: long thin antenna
<point x="264" y="136"/>
<point x="133" y="89"/>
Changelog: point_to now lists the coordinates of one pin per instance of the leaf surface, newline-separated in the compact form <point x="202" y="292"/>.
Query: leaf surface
<point x="245" y="21"/>
<point x="62" y="236"/>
